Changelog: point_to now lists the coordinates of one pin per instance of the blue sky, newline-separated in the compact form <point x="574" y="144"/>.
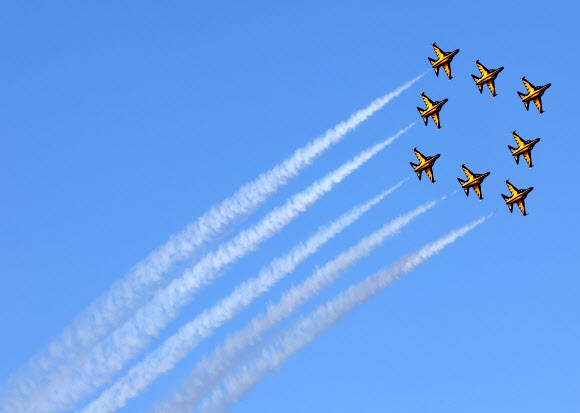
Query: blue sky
<point x="123" y="123"/>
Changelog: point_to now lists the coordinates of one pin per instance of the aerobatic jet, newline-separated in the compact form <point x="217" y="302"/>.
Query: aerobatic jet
<point x="534" y="94"/>
<point x="473" y="181"/>
<point x="487" y="78"/>
<point x="425" y="164"/>
<point x="517" y="197"/>
<point x="524" y="148"/>
<point x="443" y="59"/>
<point x="432" y="110"/>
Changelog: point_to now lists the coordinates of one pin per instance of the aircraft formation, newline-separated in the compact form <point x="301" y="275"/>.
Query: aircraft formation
<point x="524" y="147"/>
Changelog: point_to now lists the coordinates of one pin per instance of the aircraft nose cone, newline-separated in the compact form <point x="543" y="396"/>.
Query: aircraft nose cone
<point x="548" y="85"/>
<point x="500" y="69"/>
<point x="445" y="100"/>
<point x="531" y="188"/>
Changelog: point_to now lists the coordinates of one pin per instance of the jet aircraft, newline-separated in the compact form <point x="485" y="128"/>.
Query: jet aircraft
<point x="443" y="59"/>
<point x="473" y="181"/>
<point x="534" y="94"/>
<point x="524" y="148"/>
<point x="425" y="164"/>
<point x="432" y="109"/>
<point x="517" y="197"/>
<point x="487" y="78"/>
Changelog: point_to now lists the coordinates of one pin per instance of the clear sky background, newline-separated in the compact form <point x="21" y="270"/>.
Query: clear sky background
<point x="122" y="123"/>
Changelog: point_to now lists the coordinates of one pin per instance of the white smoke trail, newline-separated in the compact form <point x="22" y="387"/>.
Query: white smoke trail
<point x="209" y="371"/>
<point x="324" y="317"/>
<point x="177" y="346"/>
<point x="72" y="383"/>
<point x="127" y="294"/>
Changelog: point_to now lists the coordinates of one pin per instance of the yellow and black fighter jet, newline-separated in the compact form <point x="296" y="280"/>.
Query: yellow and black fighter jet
<point x="473" y="181"/>
<point x="487" y="78"/>
<point x="534" y="93"/>
<point x="524" y="148"/>
<point x="432" y="109"/>
<point x="425" y="164"/>
<point x="443" y="59"/>
<point x="517" y="197"/>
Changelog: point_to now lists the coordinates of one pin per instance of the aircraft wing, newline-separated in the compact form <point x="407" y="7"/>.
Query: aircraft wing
<point x="447" y="68"/>
<point x="538" y="103"/>
<point x="491" y="86"/>
<point x="529" y="87"/>
<point x="427" y="101"/>
<point x="429" y="172"/>
<point x="467" y="172"/>
<point x="528" y="158"/>
<point x="419" y="156"/>
<point x="440" y="53"/>
<point x="518" y="139"/>
<point x="522" y="207"/>
<point x="482" y="69"/>
<point x="435" y="117"/>
<point x="513" y="189"/>
<point x="477" y="189"/>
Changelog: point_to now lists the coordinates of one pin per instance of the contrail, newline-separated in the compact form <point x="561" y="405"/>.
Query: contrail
<point x="128" y="293"/>
<point x="209" y="371"/>
<point x="188" y="337"/>
<point x="308" y="328"/>
<point x="109" y="356"/>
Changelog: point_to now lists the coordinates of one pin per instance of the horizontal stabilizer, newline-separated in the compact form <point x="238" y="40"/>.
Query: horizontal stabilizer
<point x="479" y="85"/>
<point x="414" y="165"/>
<point x="512" y="149"/>
<point x="506" y="198"/>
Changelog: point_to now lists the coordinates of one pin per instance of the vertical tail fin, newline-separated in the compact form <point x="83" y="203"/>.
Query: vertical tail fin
<point x="526" y="102"/>
<point x="479" y="86"/>
<point x="516" y="157"/>
<point x="433" y="62"/>
<point x="510" y="206"/>
<point x="422" y="111"/>
<point x="415" y="166"/>
<point x="466" y="189"/>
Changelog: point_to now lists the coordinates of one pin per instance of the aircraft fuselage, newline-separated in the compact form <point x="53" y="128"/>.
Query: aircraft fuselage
<point x="489" y="77"/>
<point x="428" y="163"/>
<point x="446" y="59"/>
<point x="528" y="146"/>
<point x="520" y="196"/>
<point x="475" y="180"/>
<point x="536" y="93"/>
<point x="435" y="108"/>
